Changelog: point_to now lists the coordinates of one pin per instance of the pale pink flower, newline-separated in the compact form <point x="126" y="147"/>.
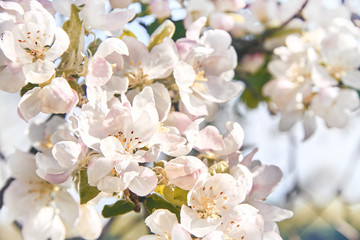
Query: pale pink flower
<point x="165" y="226"/>
<point x="56" y="97"/>
<point x="35" y="43"/>
<point x="185" y="171"/>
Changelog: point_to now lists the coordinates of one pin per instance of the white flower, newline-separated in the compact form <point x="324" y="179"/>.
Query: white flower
<point x="165" y="226"/>
<point x="205" y="70"/>
<point x="43" y="208"/>
<point x="94" y="15"/>
<point x="209" y="200"/>
<point x="333" y="104"/>
<point x="56" y="97"/>
<point x="35" y="44"/>
<point x="100" y="67"/>
<point x="185" y="171"/>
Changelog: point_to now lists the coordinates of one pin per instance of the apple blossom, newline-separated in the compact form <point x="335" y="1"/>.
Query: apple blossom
<point x="206" y="67"/>
<point x="35" y="43"/>
<point x="165" y="225"/>
<point x="56" y="97"/>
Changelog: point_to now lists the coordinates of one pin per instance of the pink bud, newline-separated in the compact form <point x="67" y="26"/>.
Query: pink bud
<point x="185" y="171"/>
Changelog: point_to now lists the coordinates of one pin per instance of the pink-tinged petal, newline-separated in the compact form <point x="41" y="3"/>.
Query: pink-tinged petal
<point x="99" y="72"/>
<point x="98" y="168"/>
<point x="194" y="30"/>
<point x="194" y="225"/>
<point x="194" y="104"/>
<point x="209" y="138"/>
<point x="184" y="47"/>
<point x="160" y="8"/>
<point x="248" y="158"/>
<point x="352" y="79"/>
<point x="110" y="184"/>
<point x="55" y="178"/>
<point x="112" y="148"/>
<point x="217" y="90"/>
<point x="47" y="164"/>
<point x="89" y="224"/>
<point x="12" y="77"/>
<point x="243" y="176"/>
<point x="233" y="139"/>
<point x="185" y="171"/>
<point x="184" y="76"/>
<point x="12" y="6"/>
<point x="179" y="233"/>
<point x="162" y="100"/>
<point x="144" y="183"/>
<point x="7" y="46"/>
<point x="217" y="39"/>
<point x="138" y="52"/>
<point x="60" y="45"/>
<point x="66" y="153"/>
<point x="179" y="120"/>
<point x="68" y="207"/>
<point x="45" y="224"/>
<point x="58" y="97"/>
<point x="161" y="221"/>
<point x="163" y="58"/>
<point x="266" y="179"/>
<point x="151" y="155"/>
<point x="270" y="212"/>
<point x="216" y="65"/>
<point x="113" y="21"/>
<point x="39" y="71"/>
<point x="221" y="21"/>
<point x="30" y="104"/>
<point x="111" y="45"/>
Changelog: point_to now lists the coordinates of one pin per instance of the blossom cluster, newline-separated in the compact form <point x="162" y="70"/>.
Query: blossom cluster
<point x="126" y="122"/>
<point x="314" y="58"/>
<point x="317" y="74"/>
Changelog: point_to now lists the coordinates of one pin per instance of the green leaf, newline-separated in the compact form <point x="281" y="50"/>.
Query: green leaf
<point x="179" y="30"/>
<point x="175" y="195"/>
<point x="27" y="87"/>
<point x="220" y="167"/>
<point x="166" y="29"/>
<point x="252" y="94"/>
<point x="72" y="57"/>
<point x="86" y="191"/>
<point x="154" y="202"/>
<point x="118" y="208"/>
<point x="93" y="46"/>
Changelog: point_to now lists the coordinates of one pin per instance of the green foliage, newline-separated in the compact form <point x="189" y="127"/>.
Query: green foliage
<point x="154" y="202"/>
<point x="93" y="46"/>
<point x="118" y="208"/>
<point x="86" y="191"/>
<point x="27" y="87"/>
<point x="220" y="167"/>
<point x="175" y="195"/>
<point x="179" y="28"/>
<point x="252" y="94"/>
<point x="72" y="59"/>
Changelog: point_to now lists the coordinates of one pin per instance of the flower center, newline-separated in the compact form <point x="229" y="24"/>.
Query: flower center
<point x="34" y="44"/>
<point x="200" y="78"/>
<point x="137" y="77"/>
<point x="130" y="143"/>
